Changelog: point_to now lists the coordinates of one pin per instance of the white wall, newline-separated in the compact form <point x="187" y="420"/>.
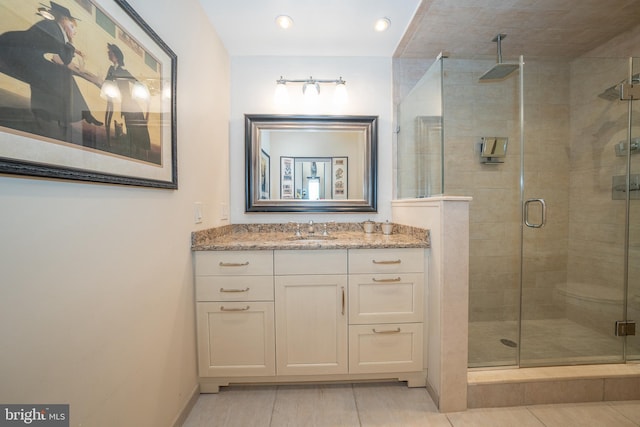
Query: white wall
<point x="253" y="81"/>
<point x="96" y="288"/>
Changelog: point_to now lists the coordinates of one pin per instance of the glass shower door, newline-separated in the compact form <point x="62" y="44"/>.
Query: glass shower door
<point x="419" y="143"/>
<point x="573" y="263"/>
<point x="633" y="288"/>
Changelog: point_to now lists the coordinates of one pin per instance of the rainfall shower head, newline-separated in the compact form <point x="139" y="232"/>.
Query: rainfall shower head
<point x="613" y="93"/>
<point x="501" y="70"/>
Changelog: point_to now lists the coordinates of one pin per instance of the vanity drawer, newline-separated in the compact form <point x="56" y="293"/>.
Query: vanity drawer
<point x="409" y="260"/>
<point x="385" y="348"/>
<point x="386" y="298"/>
<point x="310" y="262"/>
<point x="234" y="288"/>
<point x="236" y="263"/>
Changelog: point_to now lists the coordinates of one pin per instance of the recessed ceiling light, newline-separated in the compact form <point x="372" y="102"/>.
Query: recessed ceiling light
<point x="382" y="24"/>
<point x="284" y="21"/>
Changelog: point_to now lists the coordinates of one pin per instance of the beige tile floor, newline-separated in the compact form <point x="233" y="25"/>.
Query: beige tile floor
<point x="386" y="404"/>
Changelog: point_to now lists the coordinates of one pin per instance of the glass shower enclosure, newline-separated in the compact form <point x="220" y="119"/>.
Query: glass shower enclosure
<point x="554" y="268"/>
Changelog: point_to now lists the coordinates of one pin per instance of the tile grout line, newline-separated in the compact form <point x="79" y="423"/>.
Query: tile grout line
<point x="534" y="415"/>
<point x="273" y="408"/>
<point x="355" y="402"/>
<point x="448" y="419"/>
<point x="610" y="404"/>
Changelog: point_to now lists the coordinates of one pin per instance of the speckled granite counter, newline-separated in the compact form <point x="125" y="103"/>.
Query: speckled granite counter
<point x="239" y="237"/>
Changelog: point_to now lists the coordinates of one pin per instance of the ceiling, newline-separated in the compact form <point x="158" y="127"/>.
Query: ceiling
<point x="421" y="29"/>
<point x="326" y="28"/>
<point x="539" y="28"/>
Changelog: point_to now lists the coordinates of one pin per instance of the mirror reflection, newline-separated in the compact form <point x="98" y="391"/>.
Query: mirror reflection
<point x="312" y="178"/>
<point x="310" y="163"/>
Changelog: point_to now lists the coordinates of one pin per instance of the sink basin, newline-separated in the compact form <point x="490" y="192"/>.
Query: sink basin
<point x="311" y="238"/>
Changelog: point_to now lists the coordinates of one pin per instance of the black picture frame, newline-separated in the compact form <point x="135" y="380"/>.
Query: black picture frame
<point x="128" y="138"/>
<point x="265" y="175"/>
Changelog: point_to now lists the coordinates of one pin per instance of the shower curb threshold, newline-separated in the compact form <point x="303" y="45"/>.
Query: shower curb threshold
<point x="552" y="373"/>
<point x="553" y="385"/>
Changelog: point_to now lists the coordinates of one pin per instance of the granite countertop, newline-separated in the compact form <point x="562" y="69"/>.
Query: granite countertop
<point x="244" y="237"/>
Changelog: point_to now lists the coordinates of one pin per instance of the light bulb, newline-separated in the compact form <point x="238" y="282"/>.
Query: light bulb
<point x="340" y="96"/>
<point x="382" y="24"/>
<point x="285" y="22"/>
<point x="311" y="90"/>
<point x="281" y="96"/>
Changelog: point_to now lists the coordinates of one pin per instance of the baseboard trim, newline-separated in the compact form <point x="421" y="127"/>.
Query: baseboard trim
<point x="188" y="406"/>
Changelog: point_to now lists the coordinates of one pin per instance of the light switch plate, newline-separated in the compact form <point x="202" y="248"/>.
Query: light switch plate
<point x="197" y="213"/>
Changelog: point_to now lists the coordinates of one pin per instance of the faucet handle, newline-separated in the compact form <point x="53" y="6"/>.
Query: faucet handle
<point x="324" y="230"/>
<point x="297" y="224"/>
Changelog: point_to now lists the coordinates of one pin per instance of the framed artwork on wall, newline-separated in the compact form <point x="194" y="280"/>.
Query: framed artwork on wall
<point x="286" y="177"/>
<point x="87" y="92"/>
<point x="340" y="178"/>
<point x="265" y="175"/>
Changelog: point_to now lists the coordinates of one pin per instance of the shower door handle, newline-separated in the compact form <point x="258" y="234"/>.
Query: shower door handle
<point x="543" y="219"/>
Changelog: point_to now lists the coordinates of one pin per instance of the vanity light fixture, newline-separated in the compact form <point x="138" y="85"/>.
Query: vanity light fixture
<point x="283" y="21"/>
<point x="311" y="89"/>
<point x="382" y="24"/>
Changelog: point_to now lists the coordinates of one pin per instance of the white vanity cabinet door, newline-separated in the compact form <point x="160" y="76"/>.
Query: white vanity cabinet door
<point x="235" y="339"/>
<point x="381" y="348"/>
<point x="311" y="324"/>
<point x="381" y="298"/>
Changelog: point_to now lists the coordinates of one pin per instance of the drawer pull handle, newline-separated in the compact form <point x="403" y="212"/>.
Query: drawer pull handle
<point x="397" y="261"/>
<point x="233" y="264"/>
<point x="234" y="290"/>
<point x="394" y="331"/>
<point x="343" y="300"/>
<point x="234" y="309"/>
<point x="397" y="279"/>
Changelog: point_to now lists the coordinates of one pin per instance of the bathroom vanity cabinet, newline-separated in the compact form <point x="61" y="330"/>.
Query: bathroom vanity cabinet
<point x="386" y="293"/>
<point x="271" y="316"/>
<point x="235" y="313"/>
